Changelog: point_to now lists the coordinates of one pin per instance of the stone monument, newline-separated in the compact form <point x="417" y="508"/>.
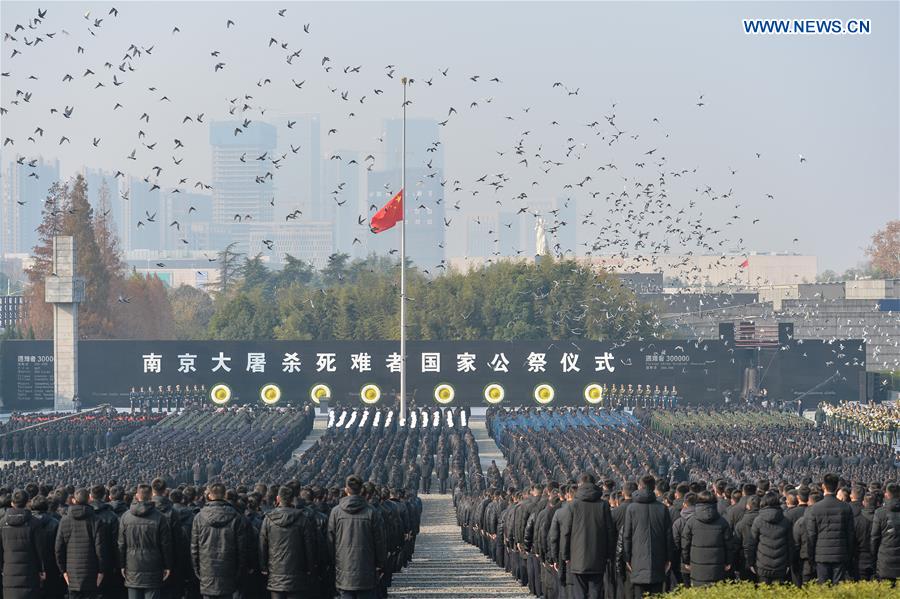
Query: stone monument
<point x="64" y="289"/>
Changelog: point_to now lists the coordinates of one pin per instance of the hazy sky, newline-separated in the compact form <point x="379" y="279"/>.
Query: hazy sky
<point x="833" y="99"/>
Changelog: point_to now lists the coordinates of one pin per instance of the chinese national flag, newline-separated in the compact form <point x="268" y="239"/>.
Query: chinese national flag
<point x="389" y="215"/>
<point x="745" y="263"/>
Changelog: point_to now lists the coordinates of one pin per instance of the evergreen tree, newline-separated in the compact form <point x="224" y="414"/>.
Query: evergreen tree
<point x="229" y="269"/>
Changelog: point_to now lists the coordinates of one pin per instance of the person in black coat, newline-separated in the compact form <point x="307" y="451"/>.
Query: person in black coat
<point x="146" y="553"/>
<point x="23" y="568"/>
<point x="886" y="535"/>
<point x="287" y="548"/>
<point x="80" y="552"/>
<point x="769" y="551"/>
<point x="647" y="540"/>
<point x="588" y="539"/>
<point x="864" y="565"/>
<point x="707" y="546"/>
<point x="742" y="538"/>
<point x="219" y="545"/>
<point x="113" y="585"/>
<point x="184" y="514"/>
<point x="356" y="544"/>
<point x="831" y="534"/>
<point x="54" y="586"/>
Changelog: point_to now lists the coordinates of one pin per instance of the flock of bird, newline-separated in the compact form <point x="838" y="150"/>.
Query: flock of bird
<point x="638" y="201"/>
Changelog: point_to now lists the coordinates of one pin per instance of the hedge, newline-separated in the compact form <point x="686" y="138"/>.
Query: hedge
<point x="748" y="590"/>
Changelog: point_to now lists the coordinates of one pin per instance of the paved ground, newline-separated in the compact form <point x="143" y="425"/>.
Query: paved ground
<point x="445" y="567"/>
<point x="487" y="449"/>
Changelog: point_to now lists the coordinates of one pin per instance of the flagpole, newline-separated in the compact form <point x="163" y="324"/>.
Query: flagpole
<point x="403" y="266"/>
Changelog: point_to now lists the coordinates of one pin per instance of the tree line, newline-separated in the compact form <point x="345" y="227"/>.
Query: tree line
<point x="347" y="299"/>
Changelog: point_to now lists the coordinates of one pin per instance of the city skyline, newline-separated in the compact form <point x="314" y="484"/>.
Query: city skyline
<point x="536" y="133"/>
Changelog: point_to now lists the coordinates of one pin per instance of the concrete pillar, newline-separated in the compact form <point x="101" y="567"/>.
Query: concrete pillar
<point x="64" y="290"/>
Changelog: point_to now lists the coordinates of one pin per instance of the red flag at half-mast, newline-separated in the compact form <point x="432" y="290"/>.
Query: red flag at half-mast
<point x="389" y="215"/>
<point x="745" y="263"/>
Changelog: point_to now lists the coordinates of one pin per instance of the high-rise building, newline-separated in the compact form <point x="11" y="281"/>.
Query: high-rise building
<point x="510" y="227"/>
<point x="424" y="216"/>
<point x="145" y="224"/>
<point x="424" y="198"/>
<point x="297" y="185"/>
<point x="482" y="238"/>
<point x="96" y="179"/>
<point x="423" y="145"/>
<point x="27" y="187"/>
<point x="193" y="213"/>
<point x="342" y="204"/>
<point x="311" y="242"/>
<point x="243" y="178"/>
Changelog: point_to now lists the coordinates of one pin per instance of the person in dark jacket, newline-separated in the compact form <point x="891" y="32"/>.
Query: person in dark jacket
<point x="113" y="585"/>
<point x="588" y="539"/>
<point x="184" y="512"/>
<point x="687" y="512"/>
<point x="80" y="552"/>
<point x="54" y="586"/>
<point x="146" y="553"/>
<point x="802" y="570"/>
<point x="23" y="568"/>
<point x="219" y="550"/>
<point x="287" y="548"/>
<point x="886" y="535"/>
<point x="743" y="539"/>
<point x="864" y="565"/>
<point x="831" y="534"/>
<point x="769" y="550"/>
<point x="647" y="540"/>
<point x="173" y="587"/>
<point x="356" y="544"/>
<point x="707" y="545"/>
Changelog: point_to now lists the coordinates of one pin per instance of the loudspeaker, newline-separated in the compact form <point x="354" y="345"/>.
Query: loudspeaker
<point x="785" y="332"/>
<point x="726" y="332"/>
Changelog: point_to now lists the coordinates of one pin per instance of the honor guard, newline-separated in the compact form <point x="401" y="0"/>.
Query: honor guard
<point x="132" y="397"/>
<point x="169" y="397"/>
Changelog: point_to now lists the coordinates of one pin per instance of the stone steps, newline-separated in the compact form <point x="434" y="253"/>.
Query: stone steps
<point x="445" y="567"/>
<point x="320" y="425"/>
<point x="487" y="449"/>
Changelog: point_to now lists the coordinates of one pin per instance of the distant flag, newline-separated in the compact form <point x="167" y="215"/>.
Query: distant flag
<point x="745" y="263"/>
<point x="389" y="215"/>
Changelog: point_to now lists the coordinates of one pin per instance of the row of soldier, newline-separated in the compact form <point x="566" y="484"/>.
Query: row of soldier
<point x="152" y="542"/>
<point x="32" y="437"/>
<point x="166" y="399"/>
<point x="642" y="397"/>
<point x="592" y="540"/>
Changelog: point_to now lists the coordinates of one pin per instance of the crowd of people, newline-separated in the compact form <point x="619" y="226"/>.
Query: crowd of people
<point x="57" y="436"/>
<point x="152" y="541"/>
<point x="231" y="445"/>
<point x="727" y="444"/>
<point x="596" y="503"/>
<point x="877" y="423"/>
<point x="222" y="515"/>
<point x="436" y="446"/>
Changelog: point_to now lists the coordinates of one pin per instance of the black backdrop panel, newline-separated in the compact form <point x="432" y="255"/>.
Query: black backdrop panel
<point x="701" y="372"/>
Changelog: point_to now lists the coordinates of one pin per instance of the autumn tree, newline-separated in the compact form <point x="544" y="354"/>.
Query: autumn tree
<point x="144" y="311"/>
<point x="885" y="250"/>
<point x="101" y="315"/>
<point x="192" y="309"/>
<point x="39" y="314"/>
